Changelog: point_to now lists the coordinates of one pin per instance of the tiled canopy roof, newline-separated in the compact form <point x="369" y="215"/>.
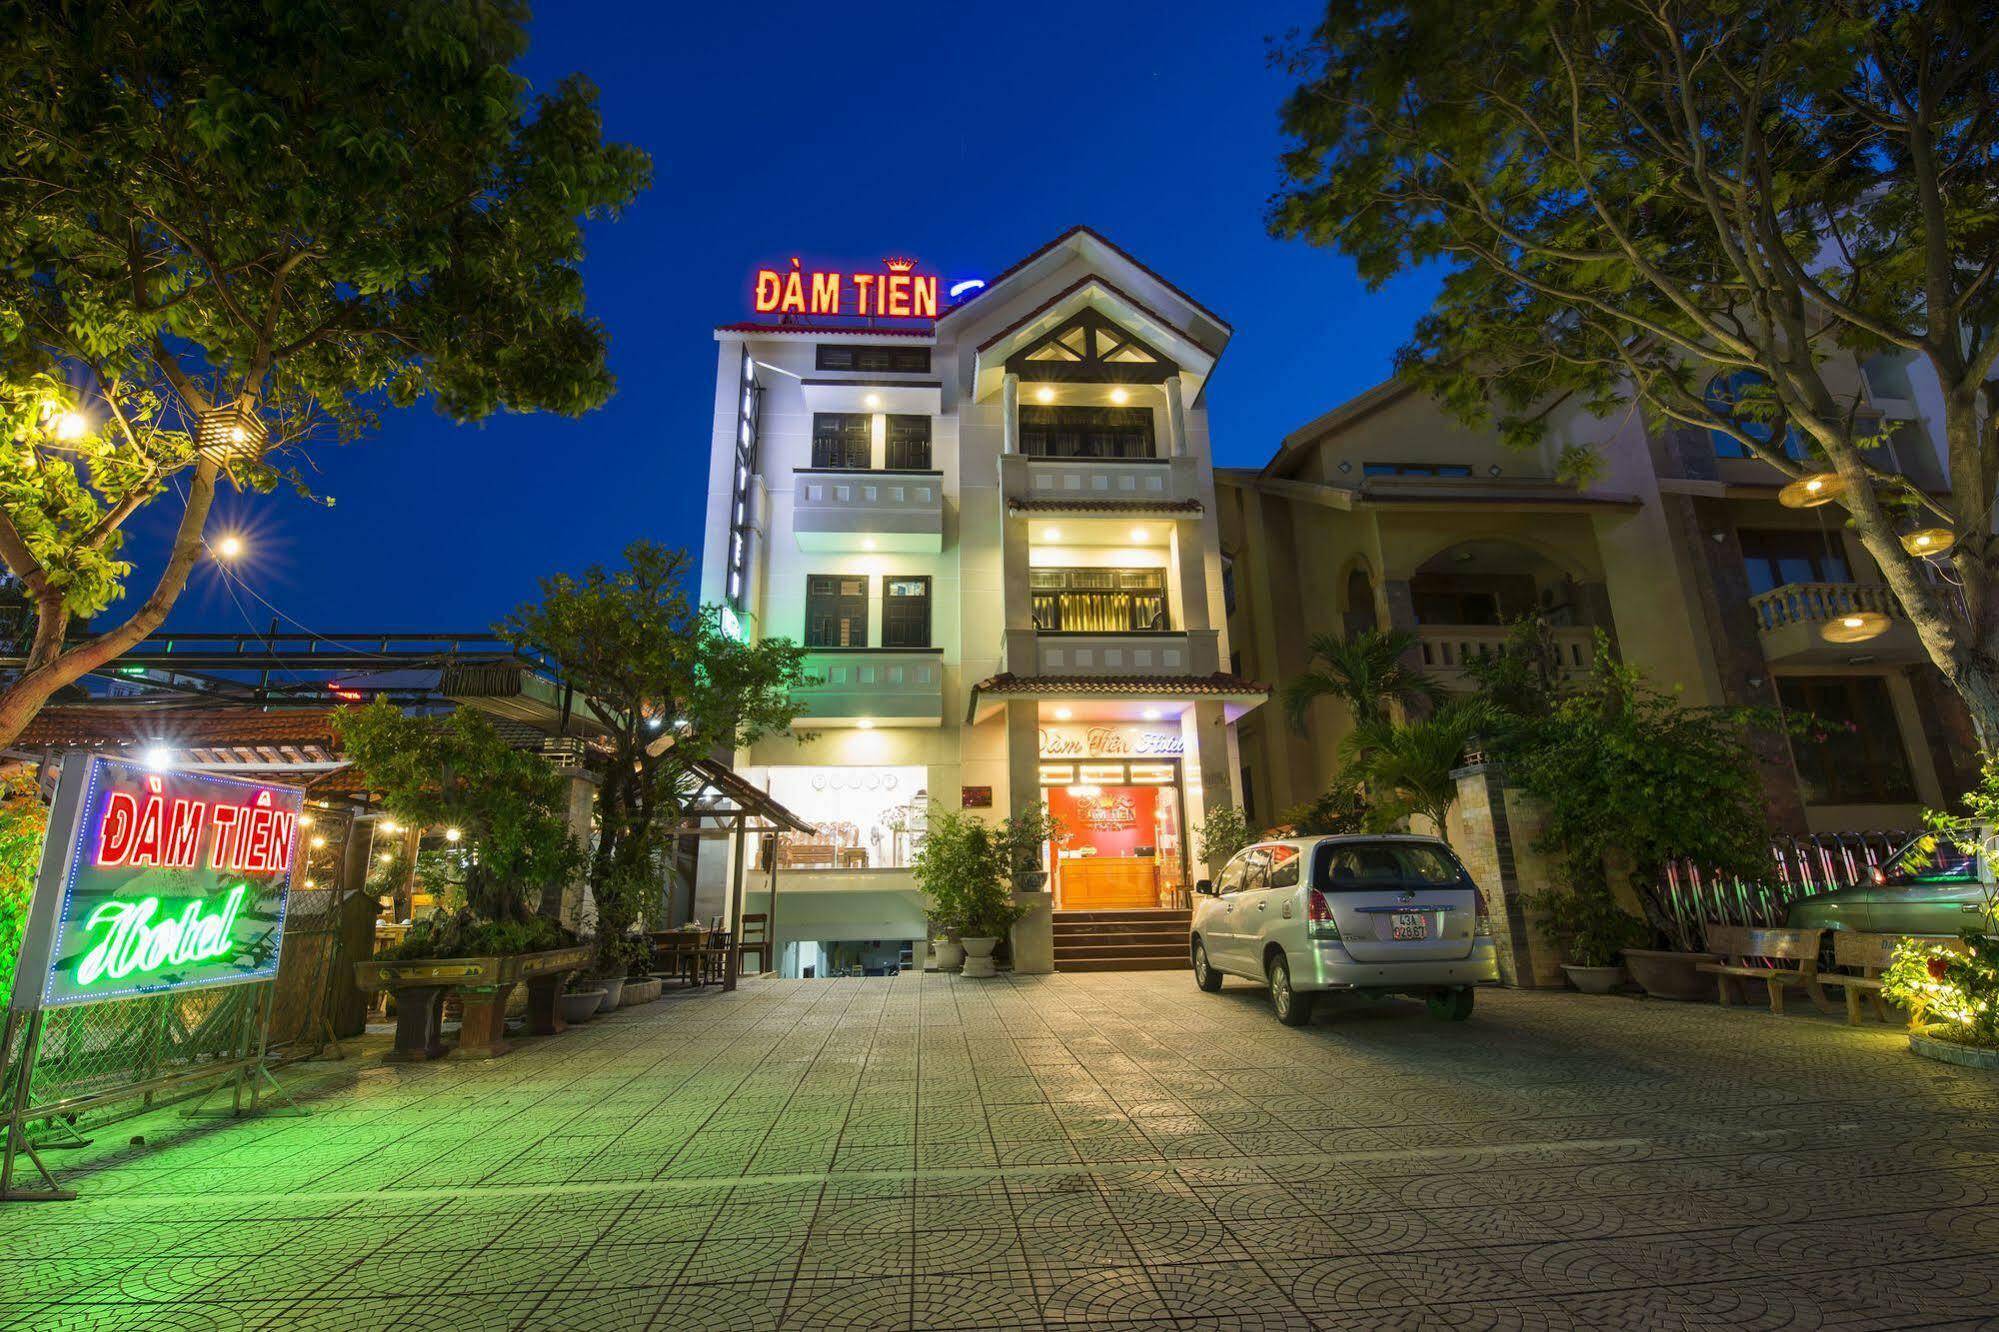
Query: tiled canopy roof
<point x="93" y="727"/>
<point x="1080" y="505"/>
<point x="1221" y="682"/>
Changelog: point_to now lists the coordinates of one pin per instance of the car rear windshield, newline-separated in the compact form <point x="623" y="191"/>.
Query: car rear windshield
<point x="1939" y="858"/>
<point x="1347" y="867"/>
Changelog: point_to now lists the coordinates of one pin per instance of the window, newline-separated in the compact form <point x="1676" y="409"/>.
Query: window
<point x="1098" y="601"/>
<point x="906" y="612"/>
<point x="1853" y="755"/>
<point x="1748" y="397"/>
<point x="1248" y="796"/>
<point x="1772" y="558"/>
<point x="842" y="439"/>
<point x="908" y="444"/>
<point x="1361" y="866"/>
<point x="1086" y="432"/>
<point x="1414" y="469"/>
<point x="1255" y="869"/>
<point x="901" y="360"/>
<point x="836" y="611"/>
<point x="1228" y="586"/>
<point x="1284" y="862"/>
<point x="1233" y="873"/>
<point x="862" y="818"/>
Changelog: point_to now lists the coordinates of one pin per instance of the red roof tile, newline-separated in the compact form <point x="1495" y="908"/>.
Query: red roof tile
<point x="86" y="726"/>
<point x="1221" y="682"/>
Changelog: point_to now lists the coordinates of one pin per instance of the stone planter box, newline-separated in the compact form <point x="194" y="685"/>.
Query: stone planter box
<point x="483" y="985"/>
<point x="641" y="991"/>
<point x="1670" y="975"/>
<point x="1930" y="1046"/>
<point x="1594" y="980"/>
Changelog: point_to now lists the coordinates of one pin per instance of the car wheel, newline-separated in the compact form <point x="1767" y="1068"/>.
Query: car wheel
<point x="1452" y="1005"/>
<point x="1205" y="976"/>
<point x="1293" y="1009"/>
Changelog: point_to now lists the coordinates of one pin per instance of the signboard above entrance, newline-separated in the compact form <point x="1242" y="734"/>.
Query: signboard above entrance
<point x="1110" y="742"/>
<point x="899" y="293"/>
<point x="154" y="881"/>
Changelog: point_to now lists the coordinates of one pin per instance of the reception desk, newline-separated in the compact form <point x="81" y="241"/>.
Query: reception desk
<point x="1108" y="883"/>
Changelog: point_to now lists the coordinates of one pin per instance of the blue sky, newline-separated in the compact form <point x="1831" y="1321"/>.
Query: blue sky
<point x="964" y="135"/>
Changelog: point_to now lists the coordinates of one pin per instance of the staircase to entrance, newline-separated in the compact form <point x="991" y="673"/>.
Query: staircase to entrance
<point x="1121" y="940"/>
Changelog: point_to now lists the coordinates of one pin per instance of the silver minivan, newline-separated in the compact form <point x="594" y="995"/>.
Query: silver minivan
<point x="1387" y="914"/>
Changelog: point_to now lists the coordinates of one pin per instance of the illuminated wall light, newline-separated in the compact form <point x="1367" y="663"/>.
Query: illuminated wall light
<point x="867" y="543"/>
<point x="1051" y="534"/>
<point x="1120" y="397"/>
<point x="1139" y="534"/>
<point x="157" y="756"/>
<point x="391" y="827"/>
<point x="1151" y="714"/>
<point x="1064" y="714"/>
<point x="1084" y="792"/>
<point x="866" y="723"/>
<point x="319" y="843"/>
<point x="1044" y="395"/>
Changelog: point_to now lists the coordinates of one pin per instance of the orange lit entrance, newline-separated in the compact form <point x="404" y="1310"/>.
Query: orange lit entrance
<point x="1122" y="845"/>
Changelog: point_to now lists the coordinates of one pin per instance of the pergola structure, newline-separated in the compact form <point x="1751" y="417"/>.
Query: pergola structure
<point x="718" y="803"/>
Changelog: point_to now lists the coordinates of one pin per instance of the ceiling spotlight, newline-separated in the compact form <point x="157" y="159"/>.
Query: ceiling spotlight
<point x="1051" y="534"/>
<point x="1044" y="395"/>
<point x="1138" y="534"/>
<point x="318" y="843"/>
<point x="866" y="723"/>
<point x="157" y="756"/>
<point x="1151" y="714"/>
<point x="1120" y="397"/>
<point x="1064" y="714"/>
<point x="873" y="400"/>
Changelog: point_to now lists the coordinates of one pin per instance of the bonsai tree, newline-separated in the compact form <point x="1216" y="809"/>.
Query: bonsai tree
<point x="668" y="686"/>
<point x="1022" y="836"/>
<point x="508" y="804"/>
<point x="229" y="233"/>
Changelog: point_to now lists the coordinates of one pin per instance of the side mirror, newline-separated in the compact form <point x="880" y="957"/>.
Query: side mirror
<point x="1205" y="887"/>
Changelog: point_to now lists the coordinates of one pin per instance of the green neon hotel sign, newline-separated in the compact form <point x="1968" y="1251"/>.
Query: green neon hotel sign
<point x="154" y="882"/>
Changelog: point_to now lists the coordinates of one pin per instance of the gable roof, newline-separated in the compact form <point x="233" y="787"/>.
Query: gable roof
<point x="1014" y="270"/>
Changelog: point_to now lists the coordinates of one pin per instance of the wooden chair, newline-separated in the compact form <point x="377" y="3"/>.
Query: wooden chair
<point x="756" y="939"/>
<point x="1747" y="953"/>
<point x="1873" y="954"/>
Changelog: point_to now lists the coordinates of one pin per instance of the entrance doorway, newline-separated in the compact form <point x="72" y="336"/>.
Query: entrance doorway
<point x="1124" y="839"/>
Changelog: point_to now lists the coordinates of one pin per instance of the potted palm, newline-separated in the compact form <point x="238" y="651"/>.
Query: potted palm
<point x="1592" y="930"/>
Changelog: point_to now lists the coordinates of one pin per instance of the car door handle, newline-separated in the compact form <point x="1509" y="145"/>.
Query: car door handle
<point x="1260" y="906"/>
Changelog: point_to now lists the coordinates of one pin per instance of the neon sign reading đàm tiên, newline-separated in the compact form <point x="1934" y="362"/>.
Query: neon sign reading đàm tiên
<point x="156" y="832"/>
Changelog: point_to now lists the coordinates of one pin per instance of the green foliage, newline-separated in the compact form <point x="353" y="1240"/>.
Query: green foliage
<point x="1630" y="198"/>
<point x="1023" y="836"/>
<point x="1957" y="987"/>
<point x="463" y="935"/>
<point x="965" y="870"/>
<point x="1222" y="833"/>
<point x="1524" y="678"/>
<point x="1636" y="775"/>
<point x="298" y="213"/>
<point x="1587" y="923"/>
<point x="668" y="686"/>
<point x="1342" y="808"/>
<point x="1406" y="767"/>
<point x="1368" y="672"/>
<point x="24" y="822"/>
<point x="458" y="772"/>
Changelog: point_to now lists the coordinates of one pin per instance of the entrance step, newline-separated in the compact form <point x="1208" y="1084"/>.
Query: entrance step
<point x="1147" y="940"/>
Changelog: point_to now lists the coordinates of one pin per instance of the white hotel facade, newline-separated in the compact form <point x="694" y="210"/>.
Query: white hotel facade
<point x="995" y="532"/>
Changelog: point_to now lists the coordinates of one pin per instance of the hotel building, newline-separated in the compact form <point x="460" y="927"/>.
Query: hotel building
<point x="987" y="510"/>
<point x="1385" y="512"/>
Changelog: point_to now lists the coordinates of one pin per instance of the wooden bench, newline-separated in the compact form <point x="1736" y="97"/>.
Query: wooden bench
<point x="1746" y="951"/>
<point x="1873" y="954"/>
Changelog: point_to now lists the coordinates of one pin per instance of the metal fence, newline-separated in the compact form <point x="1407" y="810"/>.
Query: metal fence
<point x="1800" y="867"/>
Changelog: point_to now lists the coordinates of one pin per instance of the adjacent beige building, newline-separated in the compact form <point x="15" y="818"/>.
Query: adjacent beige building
<point x="1386" y="512"/>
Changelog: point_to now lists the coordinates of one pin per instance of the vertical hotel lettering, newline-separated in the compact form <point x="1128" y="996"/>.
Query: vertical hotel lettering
<point x="900" y="293"/>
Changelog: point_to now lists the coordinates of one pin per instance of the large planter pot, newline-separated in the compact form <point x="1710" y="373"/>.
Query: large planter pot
<point x="946" y="954"/>
<point x="640" y="991"/>
<point x="1594" y="980"/>
<point x="1665" y="974"/>
<point x="979" y="957"/>
<point x="1927" y="1042"/>
<point x="614" y="993"/>
<point x="579" y="1006"/>
<point x="483" y="984"/>
<point x="1031" y="881"/>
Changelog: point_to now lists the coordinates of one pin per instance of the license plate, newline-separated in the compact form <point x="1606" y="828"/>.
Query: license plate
<point x="1408" y="925"/>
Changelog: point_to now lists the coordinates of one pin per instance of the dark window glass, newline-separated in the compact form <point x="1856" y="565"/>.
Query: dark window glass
<point x="906" y="612"/>
<point x="1086" y="432"/>
<point x="1248" y="796"/>
<point x="1098" y="601"/>
<point x="1773" y="557"/>
<point x="1358" y="866"/>
<point x="842" y="439"/>
<point x="1414" y="469"/>
<point x="1853" y="755"/>
<point x="1284" y="862"/>
<point x="908" y="443"/>
<point x="836" y="611"/>
<point x="902" y="360"/>
<point x="1228" y="586"/>
<point x="1747" y="397"/>
<point x="1235" y="663"/>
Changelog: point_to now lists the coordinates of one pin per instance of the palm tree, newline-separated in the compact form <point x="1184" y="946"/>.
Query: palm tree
<point x="1367" y="672"/>
<point x="1410" y="765"/>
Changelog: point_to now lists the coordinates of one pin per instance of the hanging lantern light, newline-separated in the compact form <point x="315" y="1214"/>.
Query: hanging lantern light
<point x="1928" y="541"/>
<point x="1808" y="492"/>
<point x="229" y="433"/>
<point x="1854" y="627"/>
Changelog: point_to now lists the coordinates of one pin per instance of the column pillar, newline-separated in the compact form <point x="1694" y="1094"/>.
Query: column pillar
<point x="1176" y="419"/>
<point x="1033" y="937"/>
<point x="1208" y="772"/>
<point x="1010" y="413"/>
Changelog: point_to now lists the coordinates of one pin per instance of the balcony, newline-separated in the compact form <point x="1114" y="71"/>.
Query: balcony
<point x="878" y="686"/>
<point x="845" y="510"/>
<point x="1789" y="620"/>
<point x="1165" y="483"/>
<point x="1447" y="649"/>
<point x="1042" y="652"/>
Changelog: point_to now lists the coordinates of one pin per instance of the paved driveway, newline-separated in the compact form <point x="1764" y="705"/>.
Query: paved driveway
<point x="1062" y="1151"/>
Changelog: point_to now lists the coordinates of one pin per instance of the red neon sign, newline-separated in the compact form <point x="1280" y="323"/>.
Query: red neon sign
<point x="155" y="832"/>
<point x="899" y="293"/>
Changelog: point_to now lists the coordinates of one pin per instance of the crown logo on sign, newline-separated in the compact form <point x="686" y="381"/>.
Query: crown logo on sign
<point x="899" y="265"/>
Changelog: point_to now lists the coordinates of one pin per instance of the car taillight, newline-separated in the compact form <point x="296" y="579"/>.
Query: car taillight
<point x="1482" y="923"/>
<point x="1319" y="922"/>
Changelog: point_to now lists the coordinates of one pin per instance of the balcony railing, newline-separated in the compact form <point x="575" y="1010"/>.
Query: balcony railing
<point x="864" y="510"/>
<point x="1447" y="649"/>
<point x="1180" y="652"/>
<point x="1818" y="603"/>
<point x="1144" y="480"/>
<point x="889" y="686"/>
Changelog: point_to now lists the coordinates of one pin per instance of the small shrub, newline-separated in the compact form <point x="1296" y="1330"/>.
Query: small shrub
<point x="1587" y="924"/>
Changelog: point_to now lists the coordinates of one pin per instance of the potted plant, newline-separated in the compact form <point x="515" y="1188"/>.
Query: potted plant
<point x="1022" y="838"/>
<point x="990" y="911"/>
<point x="1591" y="929"/>
<point x="582" y="999"/>
<point x="956" y="850"/>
